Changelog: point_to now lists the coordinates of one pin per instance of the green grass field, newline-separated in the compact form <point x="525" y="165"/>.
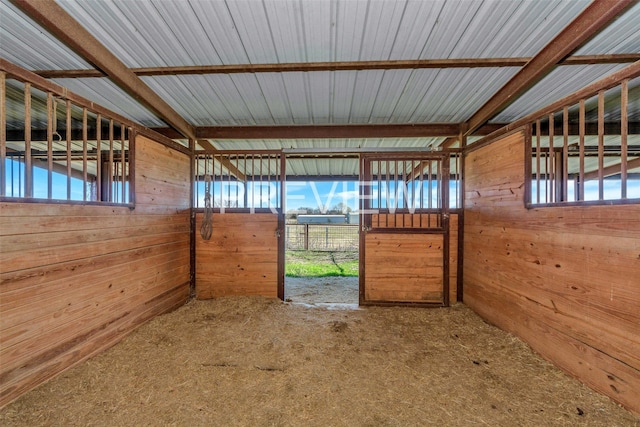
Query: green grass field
<point x="321" y="264"/>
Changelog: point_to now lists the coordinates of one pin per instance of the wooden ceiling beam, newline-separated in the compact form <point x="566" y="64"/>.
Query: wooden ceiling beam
<point x="225" y="162"/>
<point x="343" y="66"/>
<point x="594" y="18"/>
<point x="63" y="26"/>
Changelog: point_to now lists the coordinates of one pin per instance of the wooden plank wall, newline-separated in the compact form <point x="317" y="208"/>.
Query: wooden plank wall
<point x="564" y="279"/>
<point x="403" y="220"/>
<point x="75" y="279"/>
<point x="240" y="259"/>
<point x="403" y="267"/>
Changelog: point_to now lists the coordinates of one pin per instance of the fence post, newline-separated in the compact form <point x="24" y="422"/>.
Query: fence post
<point x="306" y="237"/>
<point x="326" y="240"/>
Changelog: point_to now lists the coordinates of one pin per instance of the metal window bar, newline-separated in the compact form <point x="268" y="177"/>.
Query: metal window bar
<point x="253" y="176"/>
<point x="591" y="160"/>
<point x="56" y="154"/>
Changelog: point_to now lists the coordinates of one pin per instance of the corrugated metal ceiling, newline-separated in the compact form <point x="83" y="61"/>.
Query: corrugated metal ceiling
<point x="160" y="33"/>
<point x="373" y="96"/>
<point x="156" y="33"/>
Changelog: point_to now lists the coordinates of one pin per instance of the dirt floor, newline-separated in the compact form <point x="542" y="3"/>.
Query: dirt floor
<point x="319" y="290"/>
<point x="263" y="362"/>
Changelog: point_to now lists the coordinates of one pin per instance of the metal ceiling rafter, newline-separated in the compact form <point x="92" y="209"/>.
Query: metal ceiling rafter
<point x="63" y="26"/>
<point x="418" y="130"/>
<point x="595" y="17"/>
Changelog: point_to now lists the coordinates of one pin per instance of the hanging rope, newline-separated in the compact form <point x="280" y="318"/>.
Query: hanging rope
<point x="207" y="222"/>
<point x="55" y="120"/>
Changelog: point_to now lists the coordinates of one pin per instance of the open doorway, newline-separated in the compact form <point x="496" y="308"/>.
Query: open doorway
<point x="322" y="242"/>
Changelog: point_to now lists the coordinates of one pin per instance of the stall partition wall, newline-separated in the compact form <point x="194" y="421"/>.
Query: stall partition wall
<point x="244" y="254"/>
<point x="76" y="278"/>
<point x="564" y="279"/>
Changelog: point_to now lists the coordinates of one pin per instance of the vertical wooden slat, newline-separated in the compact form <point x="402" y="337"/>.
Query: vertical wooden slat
<point x="228" y="162"/>
<point x="246" y="182"/>
<point x="222" y="180"/>
<point x="3" y="132"/>
<point x="132" y="167"/>
<point x="237" y="166"/>
<point x="601" y="145"/>
<point x="565" y="154"/>
<point x="68" y="135"/>
<point x="387" y="165"/>
<point x="111" y="196"/>
<point x="99" y="157"/>
<point x="123" y="163"/>
<point x="528" y="164"/>
<point x="28" y="170"/>
<point x="379" y="189"/>
<point x="253" y="183"/>
<point x="413" y="188"/>
<point x="50" y="118"/>
<point x="84" y="154"/>
<point x="268" y="181"/>
<point x="624" y="102"/>
<point x="421" y="191"/>
<point x="550" y="163"/>
<point x="538" y="161"/>
<point x="261" y="173"/>
<point x="430" y="188"/>
<point x="581" y="144"/>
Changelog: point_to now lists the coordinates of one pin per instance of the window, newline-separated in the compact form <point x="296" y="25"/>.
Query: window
<point x="588" y="152"/>
<point x="55" y="149"/>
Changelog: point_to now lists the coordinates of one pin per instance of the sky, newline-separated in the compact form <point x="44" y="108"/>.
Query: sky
<point x="322" y="195"/>
<point x="15" y="183"/>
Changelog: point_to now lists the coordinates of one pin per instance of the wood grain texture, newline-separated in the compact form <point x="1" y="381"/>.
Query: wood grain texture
<point x="403" y="267"/>
<point x="74" y="279"/>
<point x="564" y="279"/>
<point x="240" y="259"/>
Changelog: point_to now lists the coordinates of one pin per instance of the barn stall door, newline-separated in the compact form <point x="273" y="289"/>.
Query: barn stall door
<point x="245" y="254"/>
<point x="404" y="239"/>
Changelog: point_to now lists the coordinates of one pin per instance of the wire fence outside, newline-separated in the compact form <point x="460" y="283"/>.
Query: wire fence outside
<point x="322" y="237"/>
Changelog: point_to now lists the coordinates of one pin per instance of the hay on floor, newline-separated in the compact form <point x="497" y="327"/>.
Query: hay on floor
<point x="257" y="361"/>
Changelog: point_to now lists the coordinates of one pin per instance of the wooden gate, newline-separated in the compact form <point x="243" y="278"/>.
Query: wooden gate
<point x="404" y="239"/>
<point x="245" y="253"/>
